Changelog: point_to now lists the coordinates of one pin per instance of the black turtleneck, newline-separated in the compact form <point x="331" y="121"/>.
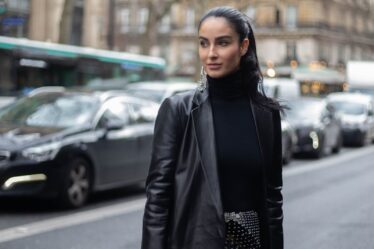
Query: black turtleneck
<point x="238" y="153"/>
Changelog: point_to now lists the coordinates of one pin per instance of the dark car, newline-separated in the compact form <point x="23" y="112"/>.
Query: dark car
<point x="317" y="127"/>
<point x="67" y="144"/>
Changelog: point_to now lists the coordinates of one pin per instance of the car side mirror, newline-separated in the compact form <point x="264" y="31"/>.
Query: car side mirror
<point x="370" y="113"/>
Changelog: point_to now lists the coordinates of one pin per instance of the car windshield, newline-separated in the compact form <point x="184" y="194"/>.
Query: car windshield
<point x="304" y="110"/>
<point x="51" y="110"/>
<point x="350" y="108"/>
<point x="151" y="94"/>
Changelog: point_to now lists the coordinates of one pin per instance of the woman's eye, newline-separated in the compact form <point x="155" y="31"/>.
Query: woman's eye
<point x="203" y="44"/>
<point x="223" y="43"/>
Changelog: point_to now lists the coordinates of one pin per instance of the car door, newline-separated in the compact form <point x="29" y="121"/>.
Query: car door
<point x="142" y="126"/>
<point x="116" y="150"/>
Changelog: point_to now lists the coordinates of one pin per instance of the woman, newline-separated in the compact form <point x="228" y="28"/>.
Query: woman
<point x="216" y="174"/>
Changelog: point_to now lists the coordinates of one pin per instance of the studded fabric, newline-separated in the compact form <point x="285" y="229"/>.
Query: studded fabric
<point x="243" y="230"/>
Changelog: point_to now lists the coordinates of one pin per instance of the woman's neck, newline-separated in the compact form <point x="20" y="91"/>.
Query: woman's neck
<point x="229" y="86"/>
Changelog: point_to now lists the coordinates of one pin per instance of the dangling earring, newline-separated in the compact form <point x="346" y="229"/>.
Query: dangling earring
<point x="203" y="80"/>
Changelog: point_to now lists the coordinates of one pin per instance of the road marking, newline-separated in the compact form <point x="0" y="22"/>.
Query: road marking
<point x="327" y="162"/>
<point x="70" y="220"/>
<point x="137" y="205"/>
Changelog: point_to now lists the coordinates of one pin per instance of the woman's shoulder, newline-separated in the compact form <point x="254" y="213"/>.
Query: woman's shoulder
<point x="180" y="100"/>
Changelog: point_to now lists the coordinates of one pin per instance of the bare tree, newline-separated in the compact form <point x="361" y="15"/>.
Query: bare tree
<point x="157" y="10"/>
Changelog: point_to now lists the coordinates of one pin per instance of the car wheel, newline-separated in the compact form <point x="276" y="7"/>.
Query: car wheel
<point x="339" y="144"/>
<point x="77" y="183"/>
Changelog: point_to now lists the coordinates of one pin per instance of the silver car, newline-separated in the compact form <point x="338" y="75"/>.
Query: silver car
<point x="357" y="116"/>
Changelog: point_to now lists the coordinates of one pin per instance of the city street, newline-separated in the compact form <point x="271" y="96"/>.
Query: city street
<point x="328" y="205"/>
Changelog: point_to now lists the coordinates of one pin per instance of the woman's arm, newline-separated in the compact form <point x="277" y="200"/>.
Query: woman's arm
<point x="274" y="187"/>
<point x="159" y="185"/>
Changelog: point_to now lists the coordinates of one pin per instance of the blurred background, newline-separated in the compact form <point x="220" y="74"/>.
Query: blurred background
<point x="81" y="82"/>
<point x="309" y="40"/>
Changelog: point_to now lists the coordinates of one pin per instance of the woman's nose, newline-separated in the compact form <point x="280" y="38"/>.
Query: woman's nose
<point x="212" y="52"/>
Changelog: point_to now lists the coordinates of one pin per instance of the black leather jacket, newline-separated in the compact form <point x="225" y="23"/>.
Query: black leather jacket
<point x="183" y="208"/>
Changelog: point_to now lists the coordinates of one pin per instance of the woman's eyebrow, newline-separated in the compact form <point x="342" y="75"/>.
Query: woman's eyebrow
<point x="224" y="37"/>
<point x="217" y="38"/>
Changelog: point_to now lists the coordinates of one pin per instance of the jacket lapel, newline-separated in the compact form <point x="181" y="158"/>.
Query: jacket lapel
<point x="204" y="131"/>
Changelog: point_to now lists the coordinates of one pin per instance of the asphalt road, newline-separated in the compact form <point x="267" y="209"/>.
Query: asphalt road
<point x="328" y="204"/>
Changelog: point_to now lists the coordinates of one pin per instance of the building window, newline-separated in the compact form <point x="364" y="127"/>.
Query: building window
<point x="291" y="51"/>
<point x="77" y="28"/>
<point x="165" y="24"/>
<point x="21" y="6"/>
<point x="124" y="19"/>
<point x="190" y="20"/>
<point x="143" y="19"/>
<point x="291" y="17"/>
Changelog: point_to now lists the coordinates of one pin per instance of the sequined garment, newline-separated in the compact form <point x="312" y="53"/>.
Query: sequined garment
<point x="243" y="230"/>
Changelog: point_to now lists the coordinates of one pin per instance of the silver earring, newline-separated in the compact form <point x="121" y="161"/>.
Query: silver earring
<point x="203" y="80"/>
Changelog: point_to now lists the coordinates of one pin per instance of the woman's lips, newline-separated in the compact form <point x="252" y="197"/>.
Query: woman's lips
<point x="214" y="66"/>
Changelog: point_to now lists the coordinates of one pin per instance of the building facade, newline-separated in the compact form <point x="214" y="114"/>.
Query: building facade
<point x="287" y="31"/>
<point x="332" y="32"/>
<point x="75" y="22"/>
<point x="298" y="31"/>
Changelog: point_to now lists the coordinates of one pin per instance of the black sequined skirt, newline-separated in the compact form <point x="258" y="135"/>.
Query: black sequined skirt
<point x="242" y="230"/>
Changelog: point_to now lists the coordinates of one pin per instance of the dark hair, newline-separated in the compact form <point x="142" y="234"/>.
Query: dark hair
<point x="250" y="68"/>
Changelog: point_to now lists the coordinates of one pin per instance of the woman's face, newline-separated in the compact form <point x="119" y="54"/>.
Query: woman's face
<point x="219" y="47"/>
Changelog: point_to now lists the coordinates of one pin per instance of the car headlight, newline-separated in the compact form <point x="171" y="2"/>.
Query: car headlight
<point x="43" y="152"/>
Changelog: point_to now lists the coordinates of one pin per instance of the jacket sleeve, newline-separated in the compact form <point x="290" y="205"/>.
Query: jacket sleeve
<point x="274" y="187"/>
<point x="159" y="184"/>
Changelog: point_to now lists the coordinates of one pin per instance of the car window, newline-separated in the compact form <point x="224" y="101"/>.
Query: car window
<point x="116" y="112"/>
<point x="51" y="110"/>
<point x="300" y="110"/>
<point x="350" y="108"/>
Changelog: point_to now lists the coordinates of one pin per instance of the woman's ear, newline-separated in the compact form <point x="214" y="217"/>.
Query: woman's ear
<point x="244" y="46"/>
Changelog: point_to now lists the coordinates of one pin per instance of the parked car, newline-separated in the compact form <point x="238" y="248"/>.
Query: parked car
<point x="68" y="144"/>
<point x="289" y="141"/>
<point x="317" y="127"/>
<point x="357" y="116"/>
<point x="159" y="90"/>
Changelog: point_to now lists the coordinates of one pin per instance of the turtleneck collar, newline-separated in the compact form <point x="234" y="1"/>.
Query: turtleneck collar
<point x="229" y="86"/>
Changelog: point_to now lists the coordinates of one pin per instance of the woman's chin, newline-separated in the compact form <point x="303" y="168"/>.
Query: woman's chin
<point x="216" y="74"/>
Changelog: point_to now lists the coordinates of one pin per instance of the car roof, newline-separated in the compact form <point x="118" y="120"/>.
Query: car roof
<point x="350" y="97"/>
